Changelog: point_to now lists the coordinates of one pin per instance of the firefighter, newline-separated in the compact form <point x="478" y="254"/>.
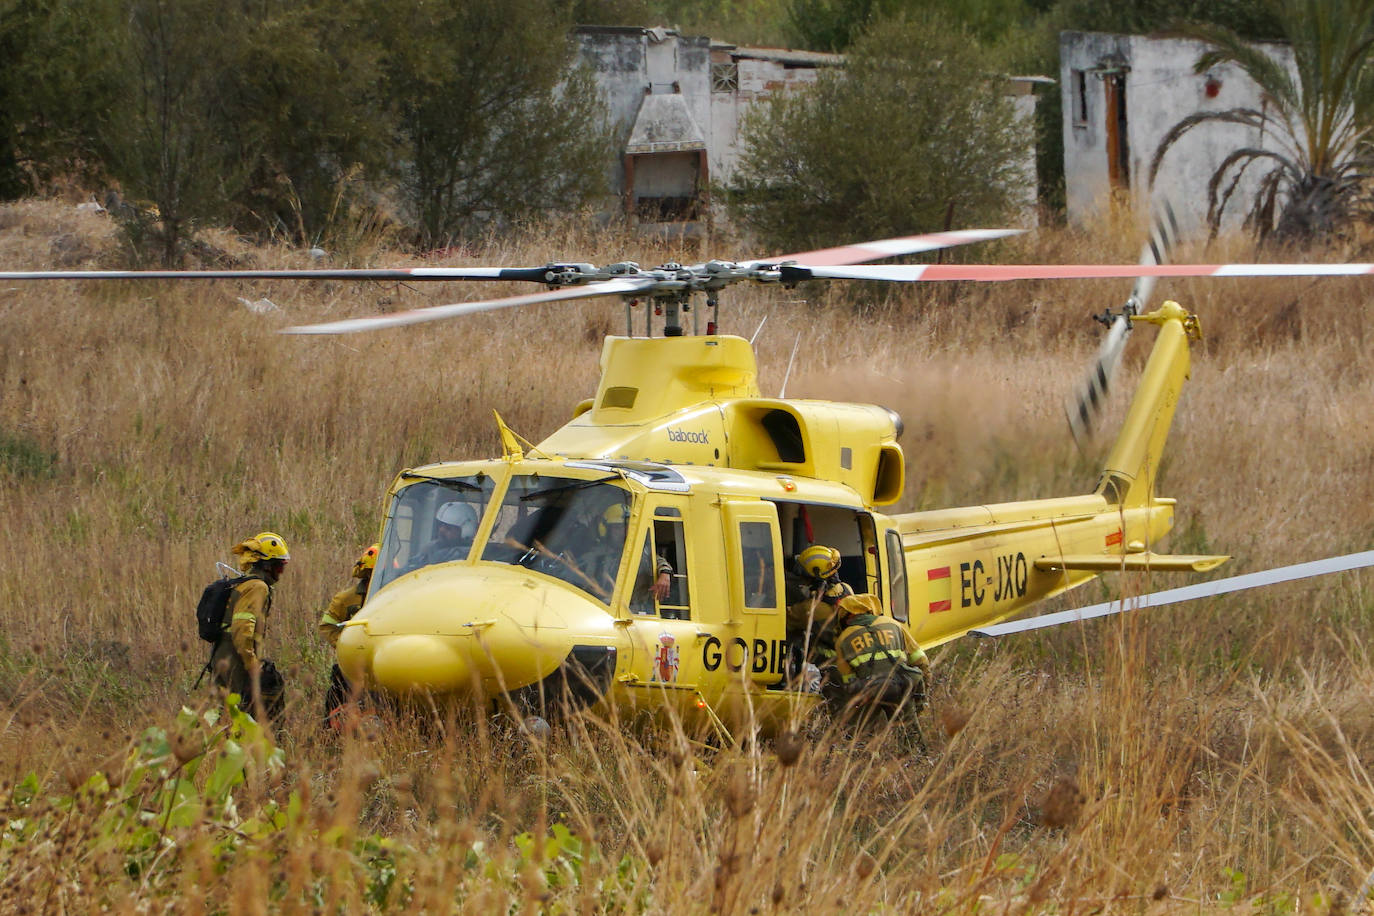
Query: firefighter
<point x="341" y="609"/>
<point x="879" y="663"/>
<point x="601" y="562"/>
<point x="236" y="663"/>
<point x="814" y="589"/>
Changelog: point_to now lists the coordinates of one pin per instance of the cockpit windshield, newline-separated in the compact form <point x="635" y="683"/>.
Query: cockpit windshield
<point x="433" y="521"/>
<point x="573" y="530"/>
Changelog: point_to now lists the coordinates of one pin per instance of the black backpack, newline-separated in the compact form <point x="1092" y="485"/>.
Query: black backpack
<point x="214" y="601"/>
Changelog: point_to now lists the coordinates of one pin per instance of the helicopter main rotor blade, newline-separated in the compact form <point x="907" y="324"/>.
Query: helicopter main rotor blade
<point x="1186" y="593"/>
<point x="998" y="273"/>
<point x="404" y="274"/>
<point x="437" y="312"/>
<point x="886" y="248"/>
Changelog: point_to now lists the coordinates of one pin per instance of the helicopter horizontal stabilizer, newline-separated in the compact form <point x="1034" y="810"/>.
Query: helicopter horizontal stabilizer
<point x="1131" y="562"/>
<point x="1186" y="593"/>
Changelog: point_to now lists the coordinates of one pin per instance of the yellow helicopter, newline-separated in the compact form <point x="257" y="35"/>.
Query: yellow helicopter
<point x="641" y="555"/>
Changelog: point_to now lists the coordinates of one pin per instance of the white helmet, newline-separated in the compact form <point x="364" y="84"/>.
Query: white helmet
<point x="460" y="515"/>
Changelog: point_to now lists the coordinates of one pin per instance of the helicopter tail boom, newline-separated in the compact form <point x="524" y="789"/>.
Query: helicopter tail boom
<point x="1131" y="467"/>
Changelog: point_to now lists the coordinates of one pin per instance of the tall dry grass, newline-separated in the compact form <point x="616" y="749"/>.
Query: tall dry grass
<point x="1194" y="757"/>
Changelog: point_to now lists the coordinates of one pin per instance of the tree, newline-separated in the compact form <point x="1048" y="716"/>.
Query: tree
<point x="496" y="122"/>
<point x="1248" y="18"/>
<point x="833" y="25"/>
<point x="54" y="84"/>
<point x="916" y="128"/>
<point x="248" y="112"/>
<point x="161" y="138"/>
<point x="1322" y="121"/>
<point x="300" y="107"/>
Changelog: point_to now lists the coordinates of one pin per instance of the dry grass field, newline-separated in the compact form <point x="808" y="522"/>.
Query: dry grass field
<point x="1201" y="757"/>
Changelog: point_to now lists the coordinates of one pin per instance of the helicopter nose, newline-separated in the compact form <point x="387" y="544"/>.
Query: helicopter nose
<point x="465" y="632"/>
<point x="405" y="663"/>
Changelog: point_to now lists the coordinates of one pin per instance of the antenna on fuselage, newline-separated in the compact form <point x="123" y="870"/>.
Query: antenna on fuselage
<point x="790" y="360"/>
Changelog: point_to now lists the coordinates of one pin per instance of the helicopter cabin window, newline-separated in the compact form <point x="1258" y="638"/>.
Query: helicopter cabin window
<point x="432" y="521"/>
<point x="660" y="584"/>
<point x="896" y="577"/>
<point x="567" y="528"/>
<point x="760" y="565"/>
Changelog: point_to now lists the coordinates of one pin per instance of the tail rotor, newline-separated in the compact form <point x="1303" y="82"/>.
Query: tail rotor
<point x="1084" y="409"/>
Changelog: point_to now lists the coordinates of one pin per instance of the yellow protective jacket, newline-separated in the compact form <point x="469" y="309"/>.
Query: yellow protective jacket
<point x="871" y="646"/>
<point x="249" y="606"/>
<point x="341" y="609"/>
<point x="818" y="605"/>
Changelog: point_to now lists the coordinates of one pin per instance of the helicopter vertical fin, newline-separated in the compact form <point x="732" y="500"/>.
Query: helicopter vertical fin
<point x="1129" y="473"/>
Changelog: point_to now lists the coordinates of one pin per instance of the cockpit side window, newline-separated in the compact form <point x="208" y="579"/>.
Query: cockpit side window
<point x="664" y="552"/>
<point x="431" y="521"/>
<point x="571" y="529"/>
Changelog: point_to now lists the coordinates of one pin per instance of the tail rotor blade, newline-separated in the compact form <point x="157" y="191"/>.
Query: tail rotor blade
<point x="1163" y="236"/>
<point x="1085" y="408"/>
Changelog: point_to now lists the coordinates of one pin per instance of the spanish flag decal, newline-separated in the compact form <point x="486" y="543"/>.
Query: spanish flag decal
<point x="937" y="588"/>
<point x="1114" y="539"/>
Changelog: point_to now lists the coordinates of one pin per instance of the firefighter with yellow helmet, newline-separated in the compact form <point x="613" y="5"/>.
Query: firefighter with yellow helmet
<point x="342" y="607"/>
<point x="878" y="660"/>
<point x="600" y="562"/>
<point x="236" y="663"/>
<point x="814" y="588"/>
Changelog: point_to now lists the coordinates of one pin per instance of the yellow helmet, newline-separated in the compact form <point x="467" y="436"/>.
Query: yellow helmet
<point x="265" y="546"/>
<point x="614" y="514"/>
<point x="367" y="562"/>
<point x="860" y="604"/>
<point x="819" y="561"/>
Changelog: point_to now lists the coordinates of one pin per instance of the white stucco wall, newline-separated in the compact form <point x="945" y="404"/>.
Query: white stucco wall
<point x="1161" y="90"/>
<point x="628" y="62"/>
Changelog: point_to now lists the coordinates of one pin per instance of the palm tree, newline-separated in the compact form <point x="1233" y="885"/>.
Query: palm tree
<point x="1323" y="121"/>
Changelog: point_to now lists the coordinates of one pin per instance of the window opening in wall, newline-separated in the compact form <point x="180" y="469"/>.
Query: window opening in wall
<point x="725" y="77"/>
<point x="1080" y="98"/>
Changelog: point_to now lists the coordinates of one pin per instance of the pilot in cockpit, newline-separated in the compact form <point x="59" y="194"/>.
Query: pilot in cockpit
<point x="455" y="526"/>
